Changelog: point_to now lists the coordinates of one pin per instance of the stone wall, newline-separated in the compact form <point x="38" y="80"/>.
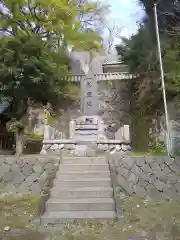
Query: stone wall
<point x="71" y="146"/>
<point x="26" y="174"/>
<point x="156" y="177"/>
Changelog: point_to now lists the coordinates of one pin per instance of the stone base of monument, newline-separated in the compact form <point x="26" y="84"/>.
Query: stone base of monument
<point x="87" y="136"/>
<point x="84" y="148"/>
<point x="85" y="129"/>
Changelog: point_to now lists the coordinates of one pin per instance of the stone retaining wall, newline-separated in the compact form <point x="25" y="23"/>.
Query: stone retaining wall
<point x="69" y="145"/>
<point x="26" y="174"/>
<point x="155" y="177"/>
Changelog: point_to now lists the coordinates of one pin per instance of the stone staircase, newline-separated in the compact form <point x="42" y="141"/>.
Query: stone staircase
<point x="82" y="190"/>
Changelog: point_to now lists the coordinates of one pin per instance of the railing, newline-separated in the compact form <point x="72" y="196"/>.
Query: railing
<point x="7" y="141"/>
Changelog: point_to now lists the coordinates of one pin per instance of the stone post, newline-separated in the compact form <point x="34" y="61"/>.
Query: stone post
<point x="46" y="132"/>
<point x="71" y="128"/>
<point x="126" y="133"/>
<point x="119" y="135"/>
<point x="30" y="127"/>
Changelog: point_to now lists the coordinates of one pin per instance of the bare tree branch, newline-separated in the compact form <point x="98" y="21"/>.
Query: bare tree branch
<point x="113" y="32"/>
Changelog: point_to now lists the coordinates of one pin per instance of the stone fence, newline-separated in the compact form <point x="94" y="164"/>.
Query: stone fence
<point x="51" y="133"/>
<point x="156" y="177"/>
<point x="26" y="174"/>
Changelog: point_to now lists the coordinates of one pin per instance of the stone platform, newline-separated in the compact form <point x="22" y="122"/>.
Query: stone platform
<point x="70" y="145"/>
<point x="87" y="135"/>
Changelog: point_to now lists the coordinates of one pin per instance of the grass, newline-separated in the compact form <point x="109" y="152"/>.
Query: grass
<point x="153" y="218"/>
<point x="17" y="212"/>
<point x="155" y="154"/>
<point x="134" y="153"/>
<point x="143" y="219"/>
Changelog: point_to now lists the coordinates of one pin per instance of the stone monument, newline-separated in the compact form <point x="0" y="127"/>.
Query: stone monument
<point x="86" y="127"/>
<point x="87" y="133"/>
<point x="89" y="95"/>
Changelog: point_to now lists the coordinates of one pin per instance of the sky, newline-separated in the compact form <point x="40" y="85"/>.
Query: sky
<point x="126" y="13"/>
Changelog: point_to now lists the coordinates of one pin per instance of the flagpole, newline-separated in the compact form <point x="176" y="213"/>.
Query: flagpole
<point x="168" y="136"/>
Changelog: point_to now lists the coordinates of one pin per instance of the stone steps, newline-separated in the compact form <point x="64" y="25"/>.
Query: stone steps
<point x="81" y="182"/>
<point x="69" y="216"/>
<point x="86" y="204"/>
<point x="85" y="160"/>
<point x="82" y="190"/>
<point x="86" y="132"/>
<point x="84" y="167"/>
<point x="86" y="138"/>
<point x="77" y="174"/>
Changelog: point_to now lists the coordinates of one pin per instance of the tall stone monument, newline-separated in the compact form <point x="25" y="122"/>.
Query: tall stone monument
<point x="89" y="95"/>
<point x="86" y="127"/>
<point x="89" y="90"/>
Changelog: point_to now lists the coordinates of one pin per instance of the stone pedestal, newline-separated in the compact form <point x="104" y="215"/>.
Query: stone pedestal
<point x="87" y="129"/>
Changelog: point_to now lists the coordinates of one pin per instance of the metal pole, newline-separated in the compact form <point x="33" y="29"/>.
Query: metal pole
<point x="168" y="136"/>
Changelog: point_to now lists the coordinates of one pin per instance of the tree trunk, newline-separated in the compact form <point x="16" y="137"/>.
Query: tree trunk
<point x="19" y="141"/>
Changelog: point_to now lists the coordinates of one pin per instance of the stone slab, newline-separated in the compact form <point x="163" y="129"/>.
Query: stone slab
<point x="86" y="132"/>
<point x="86" y="127"/>
<point x="83" y="167"/>
<point x="85" y="139"/>
<point x="61" y="217"/>
<point x="112" y="141"/>
<point x="59" y="141"/>
<point x="87" y="160"/>
<point x="90" y="204"/>
<point x="77" y="176"/>
<point x="89" y="173"/>
<point x="81" y="192"/>
<point x="83" y="182"/>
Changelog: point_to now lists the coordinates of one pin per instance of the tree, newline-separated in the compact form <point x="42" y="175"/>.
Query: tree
<point x="93" y="15"/>
<point x="141" y="55"/>
<point x="49" y="19"/>
<point x="29" y="70"/>
<point x="33" y="48"/>
<point x="112" y="32"/>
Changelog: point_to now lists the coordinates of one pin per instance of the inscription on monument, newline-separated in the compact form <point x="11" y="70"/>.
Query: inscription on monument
<point x="89" y="95"/>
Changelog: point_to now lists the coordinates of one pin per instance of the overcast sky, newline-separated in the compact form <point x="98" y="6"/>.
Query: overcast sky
<point x="126" y="13"/>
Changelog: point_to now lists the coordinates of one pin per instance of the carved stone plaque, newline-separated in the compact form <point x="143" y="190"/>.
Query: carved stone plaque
<point x="89" y="95"/>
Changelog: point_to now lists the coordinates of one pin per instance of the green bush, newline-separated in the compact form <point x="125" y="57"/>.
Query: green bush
<point x="34" y="137"/>
<point x="157" y="148"/>
<point x="33" y="143"/>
